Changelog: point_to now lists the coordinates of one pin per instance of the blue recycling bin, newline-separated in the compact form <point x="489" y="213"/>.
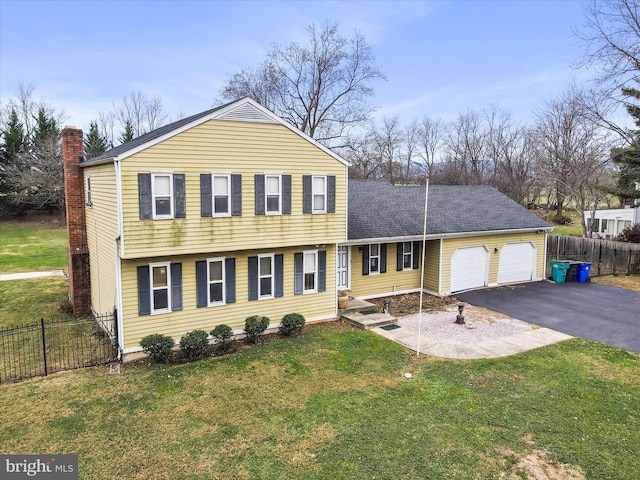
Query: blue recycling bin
<point x="583" y="272"/>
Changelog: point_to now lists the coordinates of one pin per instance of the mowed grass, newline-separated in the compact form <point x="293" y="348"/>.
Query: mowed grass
<point x="334" y="403"/>
<point x="629" y="282"/>
<point x="27" y="301"/>
<point x="32" y="246"/>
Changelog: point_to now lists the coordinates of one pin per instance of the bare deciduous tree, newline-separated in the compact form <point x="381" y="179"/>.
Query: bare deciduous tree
<point x="141" y="112"/>
<point x="322" y="87"/>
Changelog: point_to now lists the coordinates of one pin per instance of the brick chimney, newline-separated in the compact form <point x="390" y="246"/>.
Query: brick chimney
<point x="78" y="251"/>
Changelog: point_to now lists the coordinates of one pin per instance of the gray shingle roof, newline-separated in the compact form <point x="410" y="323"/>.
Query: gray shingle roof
<point x="378" y="209"/>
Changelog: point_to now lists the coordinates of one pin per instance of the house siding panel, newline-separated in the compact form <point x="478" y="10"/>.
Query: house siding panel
<point x="102" y="230"/>
<point x="240" y="148"/>
<point x="316" y="306"/>
<point x="492" y="242"/>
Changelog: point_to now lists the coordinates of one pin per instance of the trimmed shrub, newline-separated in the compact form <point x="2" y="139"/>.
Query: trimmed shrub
<point x="254" y="327"/>
<point x="157" y="346"/>
<point x="193" y="344"/>
<point x="291" y="324"/>
<point x="224" y="338"/>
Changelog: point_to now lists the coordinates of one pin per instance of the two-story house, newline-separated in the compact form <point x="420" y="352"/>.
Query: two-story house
<point x="233" y="212"/>
<point x="213" y="218"/>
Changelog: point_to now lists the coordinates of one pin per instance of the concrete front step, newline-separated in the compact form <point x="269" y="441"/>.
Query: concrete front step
<point x="371" y="320"/>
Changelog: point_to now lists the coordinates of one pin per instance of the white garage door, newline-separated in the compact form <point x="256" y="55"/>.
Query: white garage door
<point x="517" y="262"/>
<point x="469" y="268"/>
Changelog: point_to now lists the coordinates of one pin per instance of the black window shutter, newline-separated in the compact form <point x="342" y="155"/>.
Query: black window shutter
<point x="236" y="195"/>
<point x="365" y="260"/>
<point x="399" y="259"/>
<point x="286" y="194"/>
<point x="322" y="271"/>
<point x="331" y="194"/>
<point x="144" y="291"/>
<point x="298" y="260"/>
<point x="259" y="191"/>
<point x="230" y="280"/>
<point x="279" y="275"/>
<point x="201" y="282"/>
<point x="206" y="209"/>
<point x="416" y="255"/>
<point x="144" y="193"/>
<point x="179" y="196"/>
<point x="176" y="286"/>
<point x="383" y="258"/>
<point x="253" y="278"/>
<point x="307" y="194"/>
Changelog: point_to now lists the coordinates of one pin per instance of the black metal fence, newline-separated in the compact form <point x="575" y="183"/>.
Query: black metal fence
<point x="54" y="345"/>
<point x="607" y="257"/>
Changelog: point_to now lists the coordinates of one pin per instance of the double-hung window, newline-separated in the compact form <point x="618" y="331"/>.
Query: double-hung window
<point x="216" y="281"/>
<point x="310" y="272"/>
<point x="265" y="276"/>
<point x="319" y="194"/>
<point x="407" y="255"/>
<point x="374" y="258"/>
<point x="220" y="193"/>
<point x="310" y="263"/>
<point x="162" y="194"/>
<point x="273" y="194"/>
<point x="159" y="288"/>
<point x="87" y="191"/>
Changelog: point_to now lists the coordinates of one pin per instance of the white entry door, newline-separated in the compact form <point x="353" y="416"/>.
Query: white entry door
<point x="343" y="261"/>
<point x="517" y="263"/>
<point x="469" y="268"/>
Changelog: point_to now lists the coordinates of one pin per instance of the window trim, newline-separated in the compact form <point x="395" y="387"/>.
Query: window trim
<point x="314" y="194"/>
<point x="278" y="176"/>
<point x="316" y="273"/>
<point x="87" y="191"/>
<point x="272" y="275"/>
<point x="410" y="254"/>
<point x="213" y="195"/>
<point x="222" y="260"/>
<point x="152" y="289"/>
<point x="154" y="215"/>
<point x="378" y="256"/>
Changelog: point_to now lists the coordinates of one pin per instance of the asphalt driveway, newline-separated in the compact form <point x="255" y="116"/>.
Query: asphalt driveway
<point x="607" y="314"/>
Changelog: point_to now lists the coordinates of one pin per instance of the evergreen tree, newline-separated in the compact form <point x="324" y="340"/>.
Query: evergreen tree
<point x="94" y="142"/>
<point x="628" y="159"/>
<point x="128" y="134"/>
<point x="13" y="138"/>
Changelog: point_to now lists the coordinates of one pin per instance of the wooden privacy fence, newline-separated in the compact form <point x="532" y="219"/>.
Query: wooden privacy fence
<point x="51" y="346"/>
<point x="607" y="257"/>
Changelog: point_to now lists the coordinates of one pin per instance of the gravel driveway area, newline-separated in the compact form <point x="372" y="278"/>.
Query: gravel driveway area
<point x="480" y="325"/>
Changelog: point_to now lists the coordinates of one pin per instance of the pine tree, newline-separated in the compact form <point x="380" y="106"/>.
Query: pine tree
<point x="628" y="159"/>
<point x="13" y="138"/>
<point x="94" y="142"/>
<point x="127" y="135"/>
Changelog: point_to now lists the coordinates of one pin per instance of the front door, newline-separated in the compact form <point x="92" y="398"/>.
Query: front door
<point x="342" y="267"/>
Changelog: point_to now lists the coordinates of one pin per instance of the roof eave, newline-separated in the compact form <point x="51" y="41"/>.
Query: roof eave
<point x="437" y="236"/>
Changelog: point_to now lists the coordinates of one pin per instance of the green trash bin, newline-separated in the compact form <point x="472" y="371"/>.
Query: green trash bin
<point x="559" y="271"/>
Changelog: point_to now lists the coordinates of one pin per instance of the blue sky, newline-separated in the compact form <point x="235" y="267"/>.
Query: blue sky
<point x="440" y="58"/>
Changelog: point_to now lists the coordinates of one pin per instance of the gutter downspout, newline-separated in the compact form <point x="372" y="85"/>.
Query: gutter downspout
<point x="119" y="253"/>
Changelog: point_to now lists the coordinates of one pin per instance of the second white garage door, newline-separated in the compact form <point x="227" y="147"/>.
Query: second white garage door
<point x="469" y="268"/>
<point x="517" y="262"/>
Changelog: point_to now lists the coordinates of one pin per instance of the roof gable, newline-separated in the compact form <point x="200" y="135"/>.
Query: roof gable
<point x="243" y="110"/>
<point x="378" y="209"/>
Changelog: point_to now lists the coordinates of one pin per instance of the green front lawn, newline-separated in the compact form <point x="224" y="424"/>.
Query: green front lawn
<point x="335" y="404"/>
<point x="32" y="246"/>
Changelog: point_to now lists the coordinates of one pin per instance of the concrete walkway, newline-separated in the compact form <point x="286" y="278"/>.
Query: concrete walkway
<point x="497" y="347"/>
<point x="27" y="275"/>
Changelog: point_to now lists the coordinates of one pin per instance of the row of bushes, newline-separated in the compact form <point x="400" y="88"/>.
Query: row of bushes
<point x="194" y="343"/>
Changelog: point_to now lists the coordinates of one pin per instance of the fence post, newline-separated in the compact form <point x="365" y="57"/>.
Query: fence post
<point x="599" y="258"/>
<point x="615" y="253"/>
<point x="44" y="346"/>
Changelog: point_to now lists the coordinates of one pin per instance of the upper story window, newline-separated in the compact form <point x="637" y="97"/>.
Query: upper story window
<point x="220" y="194"/>
<point x="319" y="194"/>
<point x="87" y="191"/>
<point x="162" y="195"/>
<point x="273" y="194"/>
